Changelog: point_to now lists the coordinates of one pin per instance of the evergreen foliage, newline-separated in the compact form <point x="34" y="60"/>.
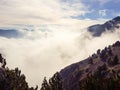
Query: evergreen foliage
<point x="12" y="79"/>
<point x="93" y="82"/>
<point x="55" y="83"/>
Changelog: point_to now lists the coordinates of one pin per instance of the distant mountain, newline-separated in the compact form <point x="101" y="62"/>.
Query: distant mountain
<point x="104" y="65"/>
<point x="98" y="29"/>
<point x="10" y="33"/>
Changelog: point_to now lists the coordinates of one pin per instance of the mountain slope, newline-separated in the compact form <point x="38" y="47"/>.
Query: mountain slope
<point x="98" y="29"/>
<point x="107" y="60"/>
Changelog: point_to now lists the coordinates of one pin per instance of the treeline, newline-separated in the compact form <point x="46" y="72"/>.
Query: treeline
<point x="93" y="82"/>
<point x="106" y="55"/>
<point x="105" y="78"/>
<point x="14" y="80"/>
<point x="54" y="83"/>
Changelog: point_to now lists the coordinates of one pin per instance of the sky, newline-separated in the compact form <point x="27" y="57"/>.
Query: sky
<point x="37" y="12"/>
<point x="54" y="33"/>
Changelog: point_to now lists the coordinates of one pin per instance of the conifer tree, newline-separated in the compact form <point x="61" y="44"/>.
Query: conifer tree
<point x="55" y="83"/>
<point x="115" y="60"/>
<point x="12" y="79"/>
<point x="45" y="85"/>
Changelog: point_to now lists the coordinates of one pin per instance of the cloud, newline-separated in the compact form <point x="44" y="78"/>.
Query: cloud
<point x="42" y="53"/>
<point x="103" y="12"/>
<point x="117" y="14"/>
<point x="38" y="11"/>
<point x="102" y="2"/>
<point x="52" y="38"/>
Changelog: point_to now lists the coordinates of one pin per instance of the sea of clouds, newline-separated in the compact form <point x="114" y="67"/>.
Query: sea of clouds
<point x="43" y="52"/>
<point x="55" y="36"/>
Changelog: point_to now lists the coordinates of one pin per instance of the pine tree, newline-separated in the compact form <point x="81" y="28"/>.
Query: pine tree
<point x="12" y="79"/>
<point x="55" y="83"/>
<point x="45" y="85"/>
<point x="115" y="60"/>
<point x="2" y="61"/>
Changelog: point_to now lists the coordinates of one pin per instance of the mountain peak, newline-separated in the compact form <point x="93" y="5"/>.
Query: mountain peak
<point x="110" y="25"/>
<point x="117" y="18"/>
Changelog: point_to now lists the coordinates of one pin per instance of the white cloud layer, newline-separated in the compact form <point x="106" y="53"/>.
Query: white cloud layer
<point x="42" y="56"/>
<point x="38" y="11"/>
<point x="55" y="39"/>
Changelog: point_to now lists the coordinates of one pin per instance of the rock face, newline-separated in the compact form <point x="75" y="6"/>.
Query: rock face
<point x="98" y="29"/>
<point x="107" y="60"/>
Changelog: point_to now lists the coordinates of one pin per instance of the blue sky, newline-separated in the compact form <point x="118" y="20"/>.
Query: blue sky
<point x="102" y="9"/>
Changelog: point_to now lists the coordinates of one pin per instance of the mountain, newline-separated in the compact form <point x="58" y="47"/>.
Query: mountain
<point x="10" y="33"/>
<point x="104" y="65"/>
<point x="98" y="29"/>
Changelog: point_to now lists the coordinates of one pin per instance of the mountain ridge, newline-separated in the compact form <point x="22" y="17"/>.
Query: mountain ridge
<point x="96" y="30"/>
<point x="110" y="25"/>
<point x="79" y="71"/>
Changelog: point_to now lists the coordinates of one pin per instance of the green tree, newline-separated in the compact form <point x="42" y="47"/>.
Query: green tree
<point x="93" y="82"/>
<point x="45" y="85"/>
<point x="2" y="61"/>
<point x="12" y="79"/>
<point x="55" y="83"/>
<point x="115" y="60"/>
